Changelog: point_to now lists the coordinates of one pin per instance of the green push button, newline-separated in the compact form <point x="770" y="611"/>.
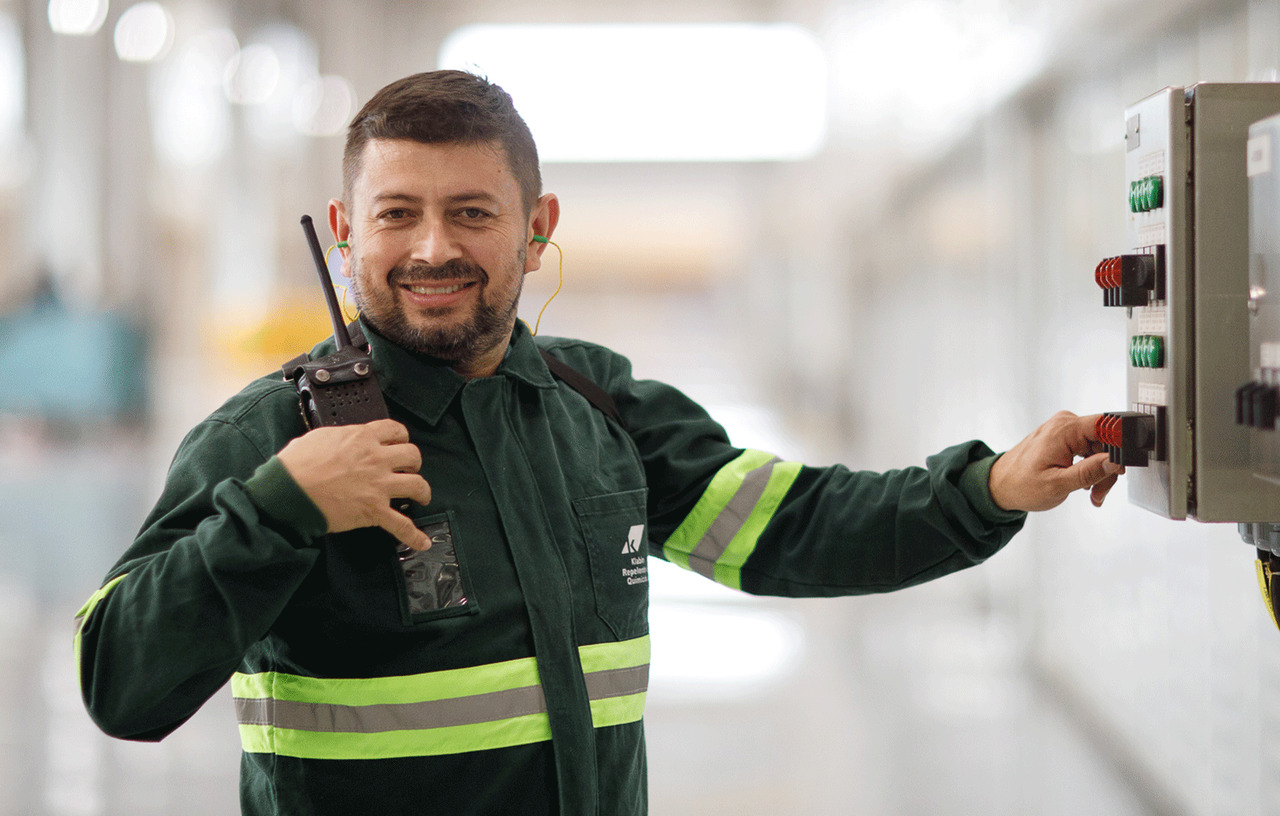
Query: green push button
<point x="1155" y="192"/>
<point x="1146" y="194"/>
<point x="1146" y="351"/>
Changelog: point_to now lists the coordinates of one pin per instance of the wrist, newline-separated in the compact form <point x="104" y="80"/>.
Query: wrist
<point x="277" y="494"/>
<point x="978" y="483"/>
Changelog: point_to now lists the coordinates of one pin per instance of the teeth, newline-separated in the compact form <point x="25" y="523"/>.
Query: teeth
<point x="437" y="290"/>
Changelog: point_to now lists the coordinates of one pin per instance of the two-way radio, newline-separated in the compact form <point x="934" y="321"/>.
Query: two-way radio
<point x="339" y="388"/>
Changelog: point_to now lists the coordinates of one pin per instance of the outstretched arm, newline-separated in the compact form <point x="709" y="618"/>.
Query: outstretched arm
<point x="1040" y="472"/>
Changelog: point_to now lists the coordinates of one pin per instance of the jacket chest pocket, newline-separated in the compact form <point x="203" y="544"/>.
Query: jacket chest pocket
<point x="616" y="537"/>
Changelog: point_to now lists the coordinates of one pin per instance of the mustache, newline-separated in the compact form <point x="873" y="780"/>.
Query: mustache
<point x="453" y="269"/>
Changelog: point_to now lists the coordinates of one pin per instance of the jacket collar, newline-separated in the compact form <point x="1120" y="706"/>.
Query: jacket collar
<point x="426" y="386"/>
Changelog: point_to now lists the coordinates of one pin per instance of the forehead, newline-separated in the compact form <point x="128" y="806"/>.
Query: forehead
<point x="403" y="167"/>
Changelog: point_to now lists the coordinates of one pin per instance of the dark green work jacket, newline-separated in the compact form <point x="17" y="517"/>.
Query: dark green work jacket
<point x="512" y="678"/>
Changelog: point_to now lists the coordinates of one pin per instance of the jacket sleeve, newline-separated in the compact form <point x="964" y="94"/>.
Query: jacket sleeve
<point x="214" y="564"/>
<point x="753" y="522"/>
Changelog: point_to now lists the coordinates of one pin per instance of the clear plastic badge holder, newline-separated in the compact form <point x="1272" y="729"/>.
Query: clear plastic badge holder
<point x="432" y="577"/>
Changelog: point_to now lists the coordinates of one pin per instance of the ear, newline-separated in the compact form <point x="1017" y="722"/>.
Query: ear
<point x="341" y="230"/>
<point x="542" y="222"/>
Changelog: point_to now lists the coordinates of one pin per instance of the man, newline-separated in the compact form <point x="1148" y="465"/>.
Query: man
<point x="487" y="652"/>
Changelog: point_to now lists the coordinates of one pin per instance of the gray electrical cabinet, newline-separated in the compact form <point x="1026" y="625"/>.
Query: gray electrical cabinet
<point x="1184" y="287"/>
<point x="1258" y="399"/>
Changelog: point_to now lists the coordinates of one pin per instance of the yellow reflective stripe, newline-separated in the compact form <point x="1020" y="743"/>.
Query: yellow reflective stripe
<point x="605" y="656"/>
<point x="413" y="688"/>
<point x="722" y="530"/>
<point x="450" y="712"/>
<point x="85" y="612"/>
<point x="728" y="569"/>
<point x="96" y="598"/>
<point x="617" y="710"/>
<point x="599" y="658"/>
<point x="724" y="486"/>
<point x="267" y="739"/>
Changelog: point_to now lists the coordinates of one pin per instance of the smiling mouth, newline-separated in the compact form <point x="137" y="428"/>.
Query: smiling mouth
<point x="418" y="289"/>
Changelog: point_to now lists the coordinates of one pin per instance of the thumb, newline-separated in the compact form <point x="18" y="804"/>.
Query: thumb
<point x="1090" y="471"/>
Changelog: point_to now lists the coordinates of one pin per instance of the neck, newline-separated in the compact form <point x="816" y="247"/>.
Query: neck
<point x="484" y="365"/>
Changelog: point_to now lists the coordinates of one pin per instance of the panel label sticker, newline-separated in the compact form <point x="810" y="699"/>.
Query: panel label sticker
<point x="1152" y="394"/>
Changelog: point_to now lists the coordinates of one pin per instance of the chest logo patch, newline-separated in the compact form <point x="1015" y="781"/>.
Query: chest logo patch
<point x="634" y="537"/>
<point x="638" y="571"/>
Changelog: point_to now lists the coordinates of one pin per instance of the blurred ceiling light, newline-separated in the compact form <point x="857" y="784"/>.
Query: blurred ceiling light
<point x="17" y="157"/>
<point x="13" y="79"/>
<point x="273" y="119"/>
<point x="937" y="65"/>
<point x="77" y="17"/>
<point x="252" y="75"/>
<point x="189" y="112"/>
<point x="656" y="92"/>
<point x="144" y="33"/>
<point x="323" y="106"/>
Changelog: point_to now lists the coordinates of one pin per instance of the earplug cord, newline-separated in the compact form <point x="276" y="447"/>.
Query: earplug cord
<point x="542" y="240"/>
<point x="327" y="253"/>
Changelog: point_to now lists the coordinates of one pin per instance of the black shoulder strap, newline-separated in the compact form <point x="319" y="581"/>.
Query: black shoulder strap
<point x="585" y="386"/>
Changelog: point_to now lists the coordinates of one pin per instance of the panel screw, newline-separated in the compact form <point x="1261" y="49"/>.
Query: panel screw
<point x="322" y="375"/>
<point x="361" y="368"/>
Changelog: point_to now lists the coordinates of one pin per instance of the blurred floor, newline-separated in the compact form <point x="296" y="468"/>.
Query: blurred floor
<point x="917" y="703"/>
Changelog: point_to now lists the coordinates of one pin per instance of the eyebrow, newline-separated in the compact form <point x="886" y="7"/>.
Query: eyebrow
<point x="456" y="198"/>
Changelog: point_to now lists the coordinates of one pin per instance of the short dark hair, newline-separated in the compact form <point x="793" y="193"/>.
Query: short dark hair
<point x="445" y="107"/>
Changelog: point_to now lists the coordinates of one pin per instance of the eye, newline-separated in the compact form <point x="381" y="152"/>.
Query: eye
<point x="473" y="214"/>
<point x="397" y="214"/>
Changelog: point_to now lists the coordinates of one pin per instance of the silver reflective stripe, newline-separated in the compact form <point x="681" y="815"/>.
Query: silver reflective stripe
<point x="730" y="520"/>
<point x="602" y="685"/>
<point x="372" y="719"/>
<point x="470" y="710"/>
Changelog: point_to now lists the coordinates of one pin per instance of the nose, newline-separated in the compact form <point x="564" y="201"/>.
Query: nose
<point x="435" y="243"/>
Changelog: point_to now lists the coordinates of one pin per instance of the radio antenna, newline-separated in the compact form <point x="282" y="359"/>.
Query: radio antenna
<point x="340" y="334"/>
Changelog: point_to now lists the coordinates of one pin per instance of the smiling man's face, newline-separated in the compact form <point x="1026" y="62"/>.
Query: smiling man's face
<point x="439" y="246"/>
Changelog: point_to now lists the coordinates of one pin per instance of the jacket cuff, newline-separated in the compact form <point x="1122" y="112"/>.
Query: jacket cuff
<point x="277" y="494"/>
<point x="974" y="484"/>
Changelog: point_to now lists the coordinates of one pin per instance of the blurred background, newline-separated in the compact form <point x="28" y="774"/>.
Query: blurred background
<point x="858" y="230"/>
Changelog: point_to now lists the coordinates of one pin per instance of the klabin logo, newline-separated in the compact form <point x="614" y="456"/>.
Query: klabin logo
<point x="634" y="536"/>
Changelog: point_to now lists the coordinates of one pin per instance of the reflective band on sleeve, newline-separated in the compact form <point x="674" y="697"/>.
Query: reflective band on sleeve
<point x="85" y="612"/>
<point x="721" y="531"/>
<point x="95" y="599"/>
<point x="495" y="706"/>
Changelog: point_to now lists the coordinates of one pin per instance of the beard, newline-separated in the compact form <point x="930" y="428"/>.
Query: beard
<point x="488" y="325"/>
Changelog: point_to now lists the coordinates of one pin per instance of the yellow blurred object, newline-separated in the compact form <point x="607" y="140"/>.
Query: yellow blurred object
<point x="291" y="327"/>
<point x="1266" y="576"/>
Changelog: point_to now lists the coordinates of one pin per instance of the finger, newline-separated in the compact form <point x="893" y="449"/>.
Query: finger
<point x="403" y="458"/>
<point x="411" y="486"/>
<point x="1087" y="426"/>
<point x="1098" y="493"/>
<point x="1081" y="435"/>
<point x="388" y="431"/>
<point x="404" y="530"/>
<point x="1091" y="471"/>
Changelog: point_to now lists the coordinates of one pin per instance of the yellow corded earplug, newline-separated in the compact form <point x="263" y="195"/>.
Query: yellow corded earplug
<point x="542" y="239"/>
<point x="327" y="252"/>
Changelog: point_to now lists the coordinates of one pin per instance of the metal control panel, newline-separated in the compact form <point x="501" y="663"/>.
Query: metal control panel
<point x="1183" y="284"/>
<point x="1258" y="399"/>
